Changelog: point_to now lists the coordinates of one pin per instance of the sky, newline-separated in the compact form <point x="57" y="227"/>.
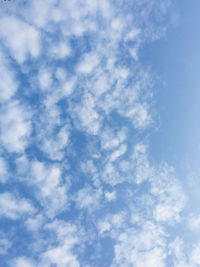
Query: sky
<point x="99" y="133"/>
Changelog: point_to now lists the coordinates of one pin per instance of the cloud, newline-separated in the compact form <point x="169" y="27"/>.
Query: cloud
<point x="15" y="127"/>
<point x="5" y="245"/>
<point x="87" y="65"/>
<point x="111" y="223"/>
<point x="14" y="208"/>
<point x="61" y="255"/>
<point x="21" y="38"/>
<point x="176" y="249"/>
<point x="194" y="222"/>
<point x="88" y="198"/>
<point x="56" y="146"/>
<point x="110" y="140"/>
<point x="171" y="199"/>
<point x="145" y="247"/>
<point x="118" y="153"/>
<point x="22" y="262"/>
<point x="9" y="83"/>
<point x="110" y="196"/>
<point x="51" y="191"/>
<point x="3" y="171"/>
<point x="195" y="255"/>
<point x="182" y="256"/>
<point x="60" y="50"/>
<point x="34" y="223"/>
<point x="86" y="117"/>
<point x="45" y="80"/>
<point x="72" y="74"/>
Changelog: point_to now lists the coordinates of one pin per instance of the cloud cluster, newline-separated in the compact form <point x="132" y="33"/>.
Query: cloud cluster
<point x="75" y="102"/>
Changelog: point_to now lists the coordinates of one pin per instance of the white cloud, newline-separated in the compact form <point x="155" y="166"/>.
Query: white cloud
<point x="88" y="198"/>
<point x="167" y="212"/>
<point x="51" y="192"/>
<point x="110" y="140"/>
<point x="5" y="245"/>
<point x="67" y="86"/>
<point x="45" y="80"/>
<point x="176" y="250"/>
<point x="141" y="248"/>
<point x="183" y="256"/>
<point x="130" y="36"/>
<point x="34" y="223"/>
<point x="14" y="208"/>
<point x="56" y="146"/>
<point x="140" y="115"/>
<point x="9" y="84"/>
<point x="194" y="222"/>
<point x="60" y="50"/>
<point x="86" y="115"/>
<point x="87" y="65"/>
<point x="103" y="226"/>
<point x="195" y="255"/>
<point x="22" y="262"/>
<point x="143" y="169"/>
<point x="102" y="93"/>
<point x="21" y="38"/>
<point x="61" y="255"/>
<point x="110" y="196"/>
<point x="111" y="175"/>
<point x="3" y="171"/>
<point x="15" y="127"/>
<point x="118" y="152"/>
<point x="111" y="223"/>
<point x="171" y="199"/>
<point x="22" y="165"/>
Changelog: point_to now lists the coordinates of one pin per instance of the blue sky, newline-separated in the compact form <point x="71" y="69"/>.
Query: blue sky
<point x="99" y="133"/>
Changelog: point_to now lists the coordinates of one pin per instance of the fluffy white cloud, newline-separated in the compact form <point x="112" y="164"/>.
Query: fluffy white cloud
<point x="61" y="255"/>
<point x="3" y="170"/>
<point x="21" y="38"/>
<point x="15" y="127"/>
<point x="60" y="50"/>
<point x="56" y="146"/>
<point x="143" y="169"/>
<point x="22" y="262"/>
<point x="110" y="140"/>
<point x="45" y="80"/>
<point x="86" y="115"/>
<point x="9" y="84"/>
<point x="194" y="222"/>
<point x="88" y="198"/>
<point x="195" y="255"/>
<point x="145" y="247"/>
<point x="13" y="207"/>
<point x="171" y="198"/>
<point x="87" y="65"/>
<point x="51" y="191"/>
<point x="34" y="223"/>
<point x="112" y="222"/>
<point x="176" y="249"/>
<point x="118" y="152"/>
<point x="110" y="196"/>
